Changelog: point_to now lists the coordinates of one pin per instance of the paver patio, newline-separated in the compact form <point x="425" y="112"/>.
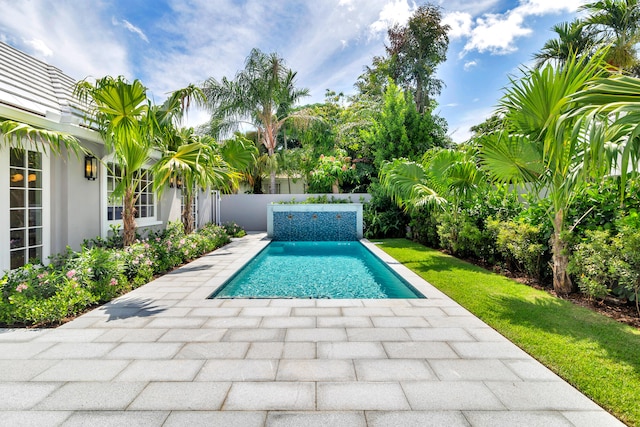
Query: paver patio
<point x="164" y="355"/>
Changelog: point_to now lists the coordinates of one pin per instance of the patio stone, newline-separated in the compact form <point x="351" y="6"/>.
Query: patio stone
<point x="439" y="334"/>
<point x="540" y="396"/>
<point x="193" y="335"/>
<point x="34" y="418"/>
<point x="419" y="350"/>
<point x="350" y="350"/>
<point x="361" y="396"/>
<point x="161" y="370"/>
<point x="476" y="370"/>
<point x="197" y="396"/>
<point x="238" y="370"/>
<point x="116" y="419"/>
<point x="316" y="370"/>
<point x="22" y="395"/>
<point x="144" y="350"/>
<point x="399" y="322"/>
<point x="254" y="335"/>
<point x="393" y="370"/>
<point x="512" y="418"/>
<point x="288" y="322"/>
<point x="82" y="370"/>
<point x="450" y="395"/>
<point x="315" y="419"/>
<point x="130" y="335"/>
<point x="488" y="350"/>
<point x="23" y="370"/>
<point x="232" y="322"/>
<point x="377" y="334"/>
<point x="343" y="322"/>
<point x="76" y="396"/>
<point x="218" y="350"/>
<point x="285" y="396"/>
<point x="316" y="334"/>
<point x="210" y="418"/>
<point x="416" y="419"/>
<point x="76" y="351"/>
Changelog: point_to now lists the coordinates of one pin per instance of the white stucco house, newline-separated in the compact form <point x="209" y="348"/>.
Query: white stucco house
<point x="46" y="202"/>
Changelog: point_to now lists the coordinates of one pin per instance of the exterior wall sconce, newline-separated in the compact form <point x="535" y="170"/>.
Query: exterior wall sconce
<point x="90" y="168"/>
<point x="175" y="182"/>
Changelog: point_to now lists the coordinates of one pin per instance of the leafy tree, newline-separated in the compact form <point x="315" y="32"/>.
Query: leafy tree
<point x="414" y="52"/>
<point x="399" y="131"/>
<point x="262" y="94"/>
<point x="539" y="149"/>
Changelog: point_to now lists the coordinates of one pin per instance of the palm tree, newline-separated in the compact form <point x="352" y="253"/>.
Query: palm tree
<point x="573" y="38"/>
<point x="15" y="133"/>
<point x="541" y="149"/>
<point x="262" y="94"/>
<point x="618" y="22"/>
<point x="444" y="179"/>
<point x="121" y="110"/>
<point x="192" y="160"/>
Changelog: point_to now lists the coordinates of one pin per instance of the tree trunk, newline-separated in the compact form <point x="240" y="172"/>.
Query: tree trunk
<point x="561" y="281"/>
<point x="272" y="173"/>
<point x="335" y="188"/>
<point x="129" y="217"/>
<point x="187" y="217"/>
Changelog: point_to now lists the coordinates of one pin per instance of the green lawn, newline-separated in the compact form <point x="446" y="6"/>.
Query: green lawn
<point x="597" y="355"/>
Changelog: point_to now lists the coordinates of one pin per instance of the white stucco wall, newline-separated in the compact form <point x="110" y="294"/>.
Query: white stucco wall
<point x="250" y="210"/>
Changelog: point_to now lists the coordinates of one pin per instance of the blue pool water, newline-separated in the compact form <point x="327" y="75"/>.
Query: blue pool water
<point x="316" y="270"/>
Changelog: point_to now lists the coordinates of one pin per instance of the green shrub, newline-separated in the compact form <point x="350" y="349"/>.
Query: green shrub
<point x="382" y="217"/>
<point x="520" y="245"/>
<point x="592" y="264"/>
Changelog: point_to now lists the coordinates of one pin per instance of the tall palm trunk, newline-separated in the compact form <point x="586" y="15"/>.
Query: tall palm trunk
<point x="187" y="216"/>
<point x="129" y="217"/>
<point x="561" y="281"/>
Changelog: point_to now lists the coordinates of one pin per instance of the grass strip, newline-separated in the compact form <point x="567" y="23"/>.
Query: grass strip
<point x="597" y="355"/>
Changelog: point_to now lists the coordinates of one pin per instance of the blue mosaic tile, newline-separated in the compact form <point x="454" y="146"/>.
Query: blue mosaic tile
<point x="315" y="226"/>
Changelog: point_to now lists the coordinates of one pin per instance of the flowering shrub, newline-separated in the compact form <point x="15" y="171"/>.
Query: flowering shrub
<point x="233" y="229"/>
<point x="73" y="281"/>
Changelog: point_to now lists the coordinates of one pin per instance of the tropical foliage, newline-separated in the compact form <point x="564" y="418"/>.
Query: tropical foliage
<point x="262" y="94"/>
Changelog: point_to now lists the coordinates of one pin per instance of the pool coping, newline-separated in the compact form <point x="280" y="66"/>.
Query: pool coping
<point x="165" y="355"/>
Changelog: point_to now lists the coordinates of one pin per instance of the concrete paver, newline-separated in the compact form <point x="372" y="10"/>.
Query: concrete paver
<point x="164" y="355"/>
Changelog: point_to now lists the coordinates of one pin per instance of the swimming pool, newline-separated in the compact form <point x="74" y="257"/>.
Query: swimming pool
<point x="316" y="270"/>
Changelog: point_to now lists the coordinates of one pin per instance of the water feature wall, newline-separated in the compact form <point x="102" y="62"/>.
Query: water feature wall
<point x="319" y="222"/>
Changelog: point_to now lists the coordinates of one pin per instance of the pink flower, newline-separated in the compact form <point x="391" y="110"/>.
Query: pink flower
<point x="113" y="282"/>
<point x="21" y="287"/>
<point x="182" y="241"/>
<point x="71" y="273"/>
<point x="135" y="261"/>
<point x="41" y="276"/>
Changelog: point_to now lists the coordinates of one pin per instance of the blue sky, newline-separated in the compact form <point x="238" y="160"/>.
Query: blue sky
<point x="168" y="44"/>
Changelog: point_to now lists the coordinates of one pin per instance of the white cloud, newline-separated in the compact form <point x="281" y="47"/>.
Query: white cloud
<point x="129" y="26"/>
<point x="394" y="12"/>
<point x="81" y="43"/>
<point x="40" y="47"/>
<point x="497" y="34"/>
<point x="460" y="23"/>
<point x="470" y="64"/>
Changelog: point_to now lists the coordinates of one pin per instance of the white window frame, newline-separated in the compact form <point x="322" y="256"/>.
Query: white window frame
<point x="5" y="201"/>
<point x="104" y="203"/>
